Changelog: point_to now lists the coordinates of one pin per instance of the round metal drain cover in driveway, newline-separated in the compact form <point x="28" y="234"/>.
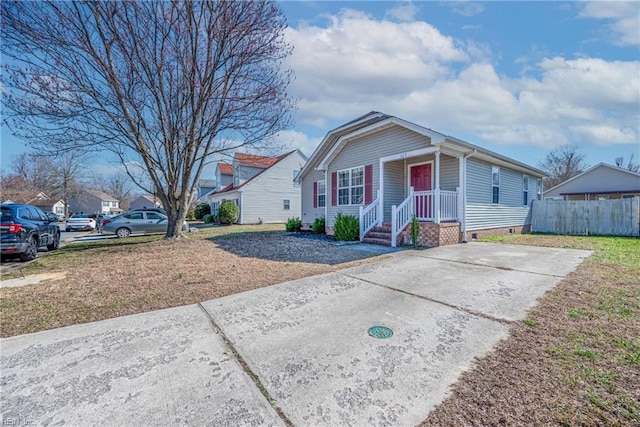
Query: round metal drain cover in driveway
<point x="380" y="332"/>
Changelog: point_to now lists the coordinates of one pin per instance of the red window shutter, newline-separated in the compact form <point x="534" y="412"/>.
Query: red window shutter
<point x="368" y="184"/>
<point x="334" y="188"/>
<point x="315" y="194"/>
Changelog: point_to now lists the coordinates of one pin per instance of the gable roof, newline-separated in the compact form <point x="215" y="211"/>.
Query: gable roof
<point x="253" y="160"/>
<point x="609" y="183"/>
<point x="225" y="168"/>
<point x="275" y="160"/>
<point x="102" y="195"/>
<point x="376" y="121"/>
<point x="27" y="197"/>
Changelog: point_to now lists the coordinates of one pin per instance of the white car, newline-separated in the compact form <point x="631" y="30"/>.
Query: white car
<point x="80" y="222"/>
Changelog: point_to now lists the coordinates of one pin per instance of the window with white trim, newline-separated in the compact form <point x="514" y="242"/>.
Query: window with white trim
<point x="322" y="194"/>
<point x="351" y="186"/>
<point x="295" y="175"/>
<point x="286" y="204"/>
<point x="525" y="190"/>
<point x="495" y="184"/>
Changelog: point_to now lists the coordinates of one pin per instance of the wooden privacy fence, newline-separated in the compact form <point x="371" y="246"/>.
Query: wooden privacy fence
<point x="619" y="217"/>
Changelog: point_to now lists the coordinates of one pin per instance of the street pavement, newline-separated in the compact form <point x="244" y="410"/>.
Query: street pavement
<point x="301" y="352"/>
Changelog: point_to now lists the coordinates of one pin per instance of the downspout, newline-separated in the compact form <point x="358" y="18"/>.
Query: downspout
<point x="464" y="194"/>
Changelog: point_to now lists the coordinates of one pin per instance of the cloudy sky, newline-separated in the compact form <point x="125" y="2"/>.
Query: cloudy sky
<point x="519" y="78"/>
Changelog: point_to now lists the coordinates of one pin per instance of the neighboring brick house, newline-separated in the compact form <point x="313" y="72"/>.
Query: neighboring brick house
<point x="263" y="187"/>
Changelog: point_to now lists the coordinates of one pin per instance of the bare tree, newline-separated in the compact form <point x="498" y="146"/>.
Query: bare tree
<point x="117" y="185"/>
<point x="163" y="86"/>
<point x="67" y="171"/>
<point x="630" y="165"/>
<point x="34" y="171"/>
<point x="561" y="164"/>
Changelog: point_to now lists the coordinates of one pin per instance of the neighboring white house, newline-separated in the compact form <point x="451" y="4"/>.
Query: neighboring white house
<point x="600" y="182"/>
<point x="263" y="187"/>
<point x="384" y="170"/>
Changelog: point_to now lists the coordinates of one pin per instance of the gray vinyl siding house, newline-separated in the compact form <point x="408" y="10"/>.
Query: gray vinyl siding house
<point x="384" y="170"/>
<point x="267" y="194"/>
<point x="602" y="181"/>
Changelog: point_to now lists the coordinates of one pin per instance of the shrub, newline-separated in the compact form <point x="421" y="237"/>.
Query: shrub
<point x="294" y="224"/>
<point x="415" y="231"/>
<point x="228" y="212"/>
<point x="208" y="219"/>
<point x="346" y="227"/>
<point x="318" y="226"/>
<point x="201" y="210"/>
<point x="191" y="215"/>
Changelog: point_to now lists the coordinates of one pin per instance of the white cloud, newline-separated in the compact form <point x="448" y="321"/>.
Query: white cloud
<point x="291" y="139"/>
<point x="405" y="12"/>
<point x="358" y="64"/>
<point x="358" y="57"/>
<point x="623" y="17"/>
<point x="465" y="8"/>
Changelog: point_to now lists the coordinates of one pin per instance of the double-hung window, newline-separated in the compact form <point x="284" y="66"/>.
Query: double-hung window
<point x="495" y="184"/>
<point x="286" y="204"/>
<point x="351" y="186"/>
<point x="295" y="176"/>
<point x="525" y="190"/>
<point x="322" y="194"/>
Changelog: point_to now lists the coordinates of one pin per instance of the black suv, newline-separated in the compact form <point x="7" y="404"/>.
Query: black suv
<point x="24" y="229"/>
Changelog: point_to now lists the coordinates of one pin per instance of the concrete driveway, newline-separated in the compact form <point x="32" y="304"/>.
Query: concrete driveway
<point x="302" y="347"/>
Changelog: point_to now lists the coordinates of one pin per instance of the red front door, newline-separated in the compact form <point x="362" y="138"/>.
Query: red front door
<point x="420" y="177"/>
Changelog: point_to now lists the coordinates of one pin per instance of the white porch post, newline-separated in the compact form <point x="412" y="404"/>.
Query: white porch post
<point x="436" y="193"/>
<point x="460" y="189"/>
<point x="381" y="195"/>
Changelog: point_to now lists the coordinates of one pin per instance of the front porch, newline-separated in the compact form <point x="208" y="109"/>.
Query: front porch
<point x="425" y="184"/>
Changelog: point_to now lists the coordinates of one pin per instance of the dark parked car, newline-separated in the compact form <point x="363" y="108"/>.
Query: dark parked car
<point x="24" y="229"/>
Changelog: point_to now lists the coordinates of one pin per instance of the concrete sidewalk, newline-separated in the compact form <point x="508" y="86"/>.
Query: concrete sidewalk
<point x="302" y="347"/>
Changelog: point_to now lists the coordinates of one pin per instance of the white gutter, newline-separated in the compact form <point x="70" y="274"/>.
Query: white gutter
<point x="464" y="194"/>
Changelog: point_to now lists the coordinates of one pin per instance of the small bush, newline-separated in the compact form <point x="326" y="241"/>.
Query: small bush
<point x="201" y="210"/>
<point x="415" y="231"/>
<point x="208" y="219"/>
<point x="228" y="212"/>
<point x="318" y="226"/>
<point x="294" y="224"/>
<point x="346" y="227"/>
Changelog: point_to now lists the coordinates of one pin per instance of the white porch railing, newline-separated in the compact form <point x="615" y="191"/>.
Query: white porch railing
<point x="448" y="205"/>
<point x="401" y="216"/>
<point x="425" y="208"/>
<point x="369" y="216"/>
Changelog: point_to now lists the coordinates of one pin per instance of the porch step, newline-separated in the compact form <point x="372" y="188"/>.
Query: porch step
<point x="375" y="241"/>
<point x="379" y="235"/>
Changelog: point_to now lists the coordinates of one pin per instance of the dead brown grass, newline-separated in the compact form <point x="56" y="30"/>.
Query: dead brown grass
<point x="122" y="277"/>
<point x="574" y="361"/>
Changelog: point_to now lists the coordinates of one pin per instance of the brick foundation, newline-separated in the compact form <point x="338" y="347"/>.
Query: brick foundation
<point x="515" y="229"/>
<point x="432" y="235"/>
